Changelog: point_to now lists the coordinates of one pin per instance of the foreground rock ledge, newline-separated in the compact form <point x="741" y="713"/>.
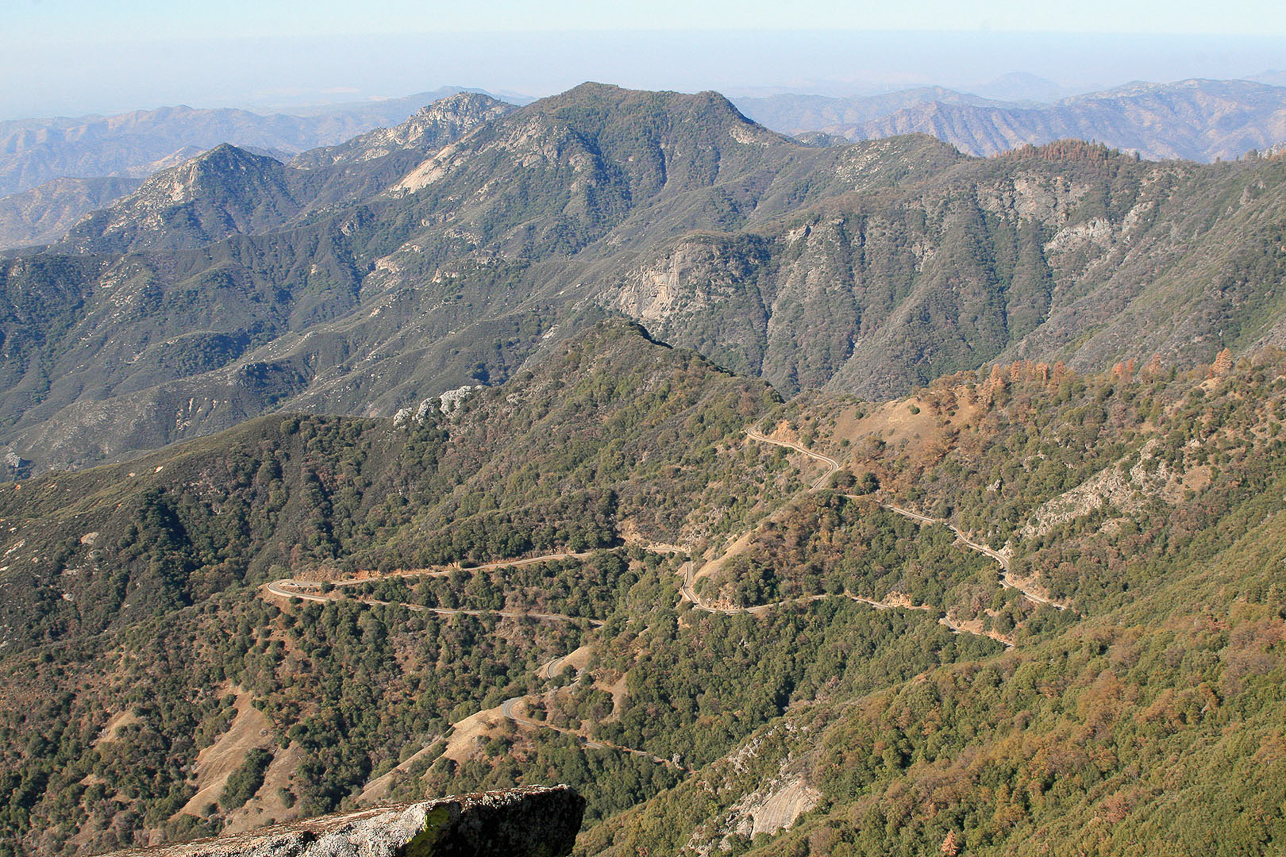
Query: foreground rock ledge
<point x="522" y="822"/>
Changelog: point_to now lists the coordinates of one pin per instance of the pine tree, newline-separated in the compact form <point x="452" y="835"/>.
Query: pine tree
<point x="1223" y="363"/>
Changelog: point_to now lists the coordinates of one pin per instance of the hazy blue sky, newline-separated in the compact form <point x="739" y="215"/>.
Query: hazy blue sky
<point x="76" y="56"/>
<point x="98" y="19"/>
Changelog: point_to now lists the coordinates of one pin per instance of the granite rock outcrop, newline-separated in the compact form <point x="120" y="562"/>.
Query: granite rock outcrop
<point x="522" y="822"/>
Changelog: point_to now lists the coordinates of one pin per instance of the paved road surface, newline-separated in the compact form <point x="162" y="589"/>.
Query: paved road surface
<point x="288" y="588"/>
<point x="550" y="669"/>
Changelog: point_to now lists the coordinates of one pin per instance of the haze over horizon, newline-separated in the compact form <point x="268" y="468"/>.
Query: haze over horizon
<point x="71" y="57"/>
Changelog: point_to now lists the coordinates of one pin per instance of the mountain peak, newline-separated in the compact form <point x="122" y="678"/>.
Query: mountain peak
<point x="708" y="115"/>
<point x="183" y="183"/>
<point x="433" y="126"/>
<point x="219" y="189"/>
<point x="466" y="100"/>
<point x="227" y="156"/>
<point x="594" y="88"/>
<point x="609" y="95"/>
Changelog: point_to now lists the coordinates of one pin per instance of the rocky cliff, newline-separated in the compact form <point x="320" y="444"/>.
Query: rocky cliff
<point x="535" y="821"/>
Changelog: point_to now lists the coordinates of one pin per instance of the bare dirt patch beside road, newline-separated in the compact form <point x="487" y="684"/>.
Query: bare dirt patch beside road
<point x="466" y="734"/>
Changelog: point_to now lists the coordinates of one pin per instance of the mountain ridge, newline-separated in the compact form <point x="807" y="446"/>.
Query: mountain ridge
<point x="39" y="150"/>
<point x="367" y="286"/>
<point x="1201" y="120"/>
<point x="43" y="214"/>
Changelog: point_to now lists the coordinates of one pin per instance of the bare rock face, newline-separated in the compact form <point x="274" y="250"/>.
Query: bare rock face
<point x="522" y="822"/>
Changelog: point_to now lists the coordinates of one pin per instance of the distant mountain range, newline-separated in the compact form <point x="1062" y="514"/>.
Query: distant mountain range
<point x="135" y="145"/>
<point x="447" y="252"/>
<point x="1198" y="120"/>
<point x="52" y="170"/>
<point x="43" y="214"/>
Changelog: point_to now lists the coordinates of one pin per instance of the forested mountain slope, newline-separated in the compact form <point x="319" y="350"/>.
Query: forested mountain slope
<point x="716" y="648"/>
<point x="155" y="560"/>
<point x="386" y="273"/>
<point x="1143" y="719"/>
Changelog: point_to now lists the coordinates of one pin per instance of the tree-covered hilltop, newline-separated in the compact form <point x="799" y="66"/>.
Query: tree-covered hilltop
<point x="453" y="248"/>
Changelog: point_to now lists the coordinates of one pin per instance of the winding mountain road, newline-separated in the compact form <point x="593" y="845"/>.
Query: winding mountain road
<point x="688" y="592"/>
<point x="308" y="591"/>
<point x="291" y="588"/>
<point x="507" y="711"/>
<point x="832" y="466"/>
<point x="444" y="570"/>
<point x="551" y="668"/>
<point x="690" y="595"/>
<point x="1006" y="578"/>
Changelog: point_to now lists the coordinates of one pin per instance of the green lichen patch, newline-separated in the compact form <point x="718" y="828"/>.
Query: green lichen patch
<point x="425" y="843"/>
